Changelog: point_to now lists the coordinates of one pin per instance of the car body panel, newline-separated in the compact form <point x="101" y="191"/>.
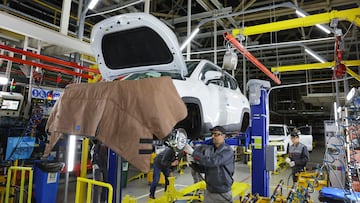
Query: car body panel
<point x="279" y="136"/>
<point x="135" y="42"/>
<point x="219" y="105"/>
<point x="116" y="42"/>
<point x="306" y="137"/>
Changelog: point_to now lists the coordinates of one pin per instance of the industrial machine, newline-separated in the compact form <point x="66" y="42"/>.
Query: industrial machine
<point x="10" y="104"/>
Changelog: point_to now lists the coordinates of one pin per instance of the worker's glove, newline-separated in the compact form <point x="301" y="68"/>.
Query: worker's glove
<point x="288" y="160"/>
<point x="292" y="163"/>
<point x="188" y="149"/>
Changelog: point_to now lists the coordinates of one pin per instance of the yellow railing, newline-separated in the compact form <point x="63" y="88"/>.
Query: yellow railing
<point x="22" y="183"/>
<point x="2" y="188"/>
<point x="90" y="183"/>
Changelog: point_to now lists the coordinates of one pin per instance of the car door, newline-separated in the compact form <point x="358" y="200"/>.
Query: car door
<point x="233" y="99"/>
<point x="216" y="102"/>
<point x="135" y="42"/>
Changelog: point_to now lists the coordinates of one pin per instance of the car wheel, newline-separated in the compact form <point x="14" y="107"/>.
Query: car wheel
<point x="177" y="139"/>
<point x="192" y="124"/>
<point x="245" y="122"/>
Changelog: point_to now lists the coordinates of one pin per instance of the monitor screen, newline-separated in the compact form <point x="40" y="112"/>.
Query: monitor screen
<point x="9" y="104"/>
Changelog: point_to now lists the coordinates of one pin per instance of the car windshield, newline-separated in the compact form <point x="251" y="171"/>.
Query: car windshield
<point x="276" y="130"/>
<point x="152" y="74"/>
<point x="191" y="65"/>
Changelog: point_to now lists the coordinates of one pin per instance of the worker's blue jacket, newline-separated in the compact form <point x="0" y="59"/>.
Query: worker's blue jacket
<point x="299" y="154"/>
<point x="219" y="166"/>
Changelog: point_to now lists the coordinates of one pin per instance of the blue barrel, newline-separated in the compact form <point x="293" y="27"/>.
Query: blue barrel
<point x="46" y="181"/>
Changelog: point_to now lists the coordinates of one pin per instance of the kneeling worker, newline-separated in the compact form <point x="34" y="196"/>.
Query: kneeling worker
<point x="218" y="161"/>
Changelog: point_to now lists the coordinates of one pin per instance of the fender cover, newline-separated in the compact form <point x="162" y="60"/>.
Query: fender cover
<point x="124" y="115"/>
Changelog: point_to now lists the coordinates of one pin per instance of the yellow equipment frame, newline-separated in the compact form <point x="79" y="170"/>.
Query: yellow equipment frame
<point x="22" y="182"/>
<point x="81" y="181"/>
<point x="350" y="15"/>
<point x="171" y="195"/>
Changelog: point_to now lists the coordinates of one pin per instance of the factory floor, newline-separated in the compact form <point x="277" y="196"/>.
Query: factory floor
<point x="139" y="188"/>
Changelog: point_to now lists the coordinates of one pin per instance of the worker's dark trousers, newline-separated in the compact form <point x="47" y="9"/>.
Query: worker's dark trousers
<point x="296" y="170"/>
<point x="99" y="193"/>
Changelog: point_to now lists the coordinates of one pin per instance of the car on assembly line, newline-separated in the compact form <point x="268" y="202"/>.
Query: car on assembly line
<point x="279" y="136"/>
<point x="138" y="45"/>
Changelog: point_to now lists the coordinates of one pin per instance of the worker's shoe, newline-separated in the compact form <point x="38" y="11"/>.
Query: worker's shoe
<point x="151" y="197"/>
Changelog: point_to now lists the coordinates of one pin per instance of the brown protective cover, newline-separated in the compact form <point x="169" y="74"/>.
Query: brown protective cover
<point x="119" y="114"/>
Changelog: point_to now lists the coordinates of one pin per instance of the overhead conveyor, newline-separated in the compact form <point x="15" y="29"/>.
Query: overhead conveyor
<point x="314" y="66"/>
<point x="56" y="68"/>
<point x="351" y="15"/>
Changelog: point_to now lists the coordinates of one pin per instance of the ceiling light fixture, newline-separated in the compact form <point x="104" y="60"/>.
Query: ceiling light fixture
<point x="71" y="155"/>
<point x="351" y="94"/>
<point x="304" y="14"/>
<point x="92" y="4"/>
<point x="187" y="41"/>
<point x="315" y="55"/>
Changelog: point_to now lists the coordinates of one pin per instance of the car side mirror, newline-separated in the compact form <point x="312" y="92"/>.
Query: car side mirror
<point x="212" y="75"/>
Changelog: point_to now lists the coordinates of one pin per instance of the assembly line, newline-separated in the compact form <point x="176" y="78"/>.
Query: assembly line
<point x="198" y="101"/>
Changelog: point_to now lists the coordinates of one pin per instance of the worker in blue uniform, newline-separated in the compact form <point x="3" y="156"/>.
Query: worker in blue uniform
<point x="218" y="163"/>
<point x="162" y="164"/>
<point x="298" y="156"/>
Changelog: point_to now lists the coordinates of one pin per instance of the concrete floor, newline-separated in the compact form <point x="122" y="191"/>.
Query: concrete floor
<point x="139" y="188"/>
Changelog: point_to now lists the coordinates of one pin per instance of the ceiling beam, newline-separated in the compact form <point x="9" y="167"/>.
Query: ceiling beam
<point x="26" y="28"/>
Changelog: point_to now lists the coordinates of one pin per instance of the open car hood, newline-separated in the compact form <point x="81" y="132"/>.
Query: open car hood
<point x="135" y="42"/>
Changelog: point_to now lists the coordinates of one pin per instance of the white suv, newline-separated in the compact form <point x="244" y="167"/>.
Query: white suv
<point x="139" y="45"/>
<point x="279" y="136"/>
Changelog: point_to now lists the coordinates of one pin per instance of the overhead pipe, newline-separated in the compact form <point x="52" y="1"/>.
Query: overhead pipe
<point x="351" y="15"/>
<point x="315" y="66"/>
<point x="47" y="67"/>
<point x="49" y="59"/>
<point x="250" y="57"/>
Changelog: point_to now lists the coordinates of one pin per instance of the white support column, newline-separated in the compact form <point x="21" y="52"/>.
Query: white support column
<point x="8" y="71"/>
<point x="147" y="6"/>
<point x="215" y="42"/>
<point x="188" y="48"/>
<point x="65" y="16"/>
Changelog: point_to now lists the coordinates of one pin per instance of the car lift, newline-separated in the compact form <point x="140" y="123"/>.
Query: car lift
<point x="259" y="119"/>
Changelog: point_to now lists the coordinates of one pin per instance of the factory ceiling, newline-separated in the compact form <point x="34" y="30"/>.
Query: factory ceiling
<point x="276" y="48"/>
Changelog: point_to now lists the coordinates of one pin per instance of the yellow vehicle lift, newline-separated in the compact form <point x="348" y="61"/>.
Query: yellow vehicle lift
<point x="190" y="193"/>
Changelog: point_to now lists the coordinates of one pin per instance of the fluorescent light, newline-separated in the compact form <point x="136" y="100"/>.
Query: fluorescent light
<point x="299" y="13"/>
<point x="327" y="31"/>
<point x="3" y="80"/>
<point x="316" y="56"/>
<point x="303" y="14"/>
<point x="335" y="113"/>
<point x="351" y="94"/>
<point x="71" y="155"/>
<point x="92" y="4"/>
<point x="187" y="41"/>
